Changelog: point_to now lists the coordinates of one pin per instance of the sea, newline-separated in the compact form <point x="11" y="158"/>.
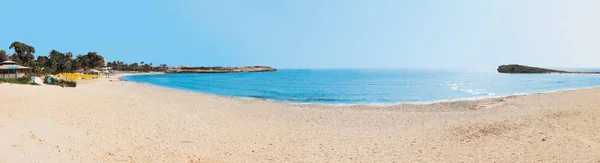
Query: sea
<point x="369" y="86"/>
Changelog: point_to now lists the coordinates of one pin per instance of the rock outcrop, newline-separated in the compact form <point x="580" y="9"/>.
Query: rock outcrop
<point x="218" y="69"/>
<point x="515" y="69"/>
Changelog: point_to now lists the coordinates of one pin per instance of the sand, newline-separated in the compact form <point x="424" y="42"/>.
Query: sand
<point x="119" y="121"/>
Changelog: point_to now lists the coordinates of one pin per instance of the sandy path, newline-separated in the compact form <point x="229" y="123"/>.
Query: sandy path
<point x="116" y="121"/>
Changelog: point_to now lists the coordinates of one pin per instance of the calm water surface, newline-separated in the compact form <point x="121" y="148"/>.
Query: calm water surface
<point x="355" y="86"/>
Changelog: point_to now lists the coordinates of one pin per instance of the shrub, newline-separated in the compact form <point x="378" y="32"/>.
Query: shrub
<point x="21" y="80"/>
<point x="60" y="82"/>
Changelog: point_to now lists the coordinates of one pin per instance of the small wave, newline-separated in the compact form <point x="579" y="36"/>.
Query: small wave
<point x="259" y="97"/>
<point x="518" y="94"/>
<point x="454" y="86"/>
<point x="294" y="99"/>
<point x="323" y="99"/>
<point x="476" y="91"/>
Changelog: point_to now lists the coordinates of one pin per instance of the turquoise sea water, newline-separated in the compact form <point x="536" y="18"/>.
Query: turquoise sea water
<point x="355" y="86"/>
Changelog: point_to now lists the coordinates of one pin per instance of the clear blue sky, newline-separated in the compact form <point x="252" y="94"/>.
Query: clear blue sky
<point x="313" y="33"/>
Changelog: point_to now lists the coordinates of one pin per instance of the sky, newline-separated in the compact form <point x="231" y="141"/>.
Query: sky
<point x="313" y="33"/>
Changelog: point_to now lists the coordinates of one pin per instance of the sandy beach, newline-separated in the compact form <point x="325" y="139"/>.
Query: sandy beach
<point x="108" y="120"/>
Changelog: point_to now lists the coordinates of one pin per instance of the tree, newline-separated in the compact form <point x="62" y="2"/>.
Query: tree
<point x="23" y="51"/>
<point x="142" y="66"/>
<point x="164" y="67"/>
<point x="133" y="67"/>
<point x="81" y="62"/>
<point x="16" y="58"/>
<point x="67" y="63"/>
<point x="146" y="67"/>
<point x="42" y="64"/>
<point x="3" y="56"/>
<point x="94" y="60"/>
<point x="56" y="61"/>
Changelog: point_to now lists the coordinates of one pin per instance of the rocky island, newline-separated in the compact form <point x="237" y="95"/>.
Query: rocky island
<point x="219" y="69"/>
<point x="521" y="69"/>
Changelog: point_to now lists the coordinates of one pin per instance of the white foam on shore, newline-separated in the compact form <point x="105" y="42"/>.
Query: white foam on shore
<point x="440" y="101"/>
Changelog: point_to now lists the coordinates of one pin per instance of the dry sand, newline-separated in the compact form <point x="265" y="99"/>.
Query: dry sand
<point x="118" y="121"/>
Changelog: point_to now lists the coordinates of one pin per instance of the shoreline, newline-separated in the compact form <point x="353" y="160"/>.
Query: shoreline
<point x="471" y="99"/>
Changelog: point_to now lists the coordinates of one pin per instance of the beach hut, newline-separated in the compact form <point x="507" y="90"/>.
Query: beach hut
<point x="95" y="72"/>
<point x="10" y="69"/>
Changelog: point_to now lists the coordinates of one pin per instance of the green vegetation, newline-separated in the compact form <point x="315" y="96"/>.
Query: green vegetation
<point x="142" y="67"/>
<point x="58" y="62"/>
<point x="22" y="80"/>
<point x="3" y="56"/>
<point x="60" y="82"/>
<point x="23" y="53"/>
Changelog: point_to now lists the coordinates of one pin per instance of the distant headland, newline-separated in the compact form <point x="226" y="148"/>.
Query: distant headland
<point x="521" y="69"/>
<point x="219" y="69"/>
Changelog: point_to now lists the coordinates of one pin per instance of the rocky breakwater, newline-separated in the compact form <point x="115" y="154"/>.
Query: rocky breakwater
<point x="219" y="69"/>
<point x="516" y="69"/>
